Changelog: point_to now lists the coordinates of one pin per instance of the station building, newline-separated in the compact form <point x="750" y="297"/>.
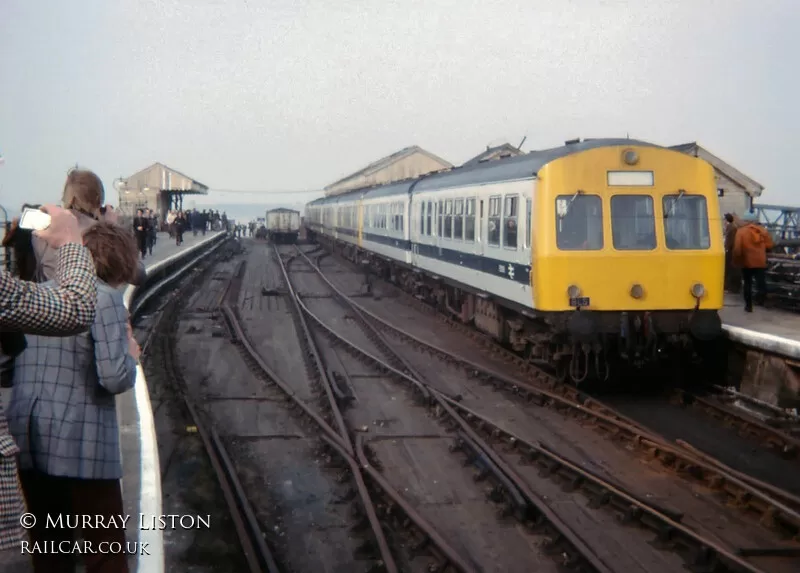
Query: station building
<point x="157" y="187"/>
<point x="736" y="191"/>
<point x="408" y="162"/>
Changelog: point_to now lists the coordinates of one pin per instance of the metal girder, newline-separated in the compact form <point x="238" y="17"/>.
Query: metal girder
<point x="782" y="221"/>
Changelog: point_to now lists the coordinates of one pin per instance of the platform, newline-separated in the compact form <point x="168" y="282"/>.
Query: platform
<point x="772" y="330"/>
<point x="765" y="320"/>
<point x="137" y="442"/>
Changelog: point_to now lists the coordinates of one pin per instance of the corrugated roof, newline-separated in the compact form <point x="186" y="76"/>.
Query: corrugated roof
<point x="388" y="160"/>
<point x="175" y="171"/>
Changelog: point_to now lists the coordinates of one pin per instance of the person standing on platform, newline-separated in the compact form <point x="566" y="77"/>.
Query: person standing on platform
<point x="180" y="226"/>
<point x="750" y="254"/>
<point x="733" y="275"/>
<point x="29" y="308"/>
<point x="140" y="229"/>
<point x="171" y="223"/>
<point x="152" y="230"/>
<point x="63" y="415"/>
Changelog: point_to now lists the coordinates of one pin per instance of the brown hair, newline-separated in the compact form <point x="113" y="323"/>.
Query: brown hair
<point x="83" y="191"/>
<point x="114" y="251"/>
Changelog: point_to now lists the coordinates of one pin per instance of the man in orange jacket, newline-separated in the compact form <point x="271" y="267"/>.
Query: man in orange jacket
<point x="750" y="254"/>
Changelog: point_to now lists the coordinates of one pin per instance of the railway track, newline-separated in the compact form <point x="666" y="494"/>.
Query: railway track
<point x="162" y="337"/>
<point x="770" y="505"/>
<point x="346" y="454"/>
<point x="559" y="541"/>
<point x="774" y="429"/>
<point x="535" y="384"/>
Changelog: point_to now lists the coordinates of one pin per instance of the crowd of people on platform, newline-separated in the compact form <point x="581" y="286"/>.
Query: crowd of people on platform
<point x="746" y="246"/>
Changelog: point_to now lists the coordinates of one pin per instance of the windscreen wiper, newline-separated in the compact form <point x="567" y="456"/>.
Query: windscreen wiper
<point x="671" y="210"/>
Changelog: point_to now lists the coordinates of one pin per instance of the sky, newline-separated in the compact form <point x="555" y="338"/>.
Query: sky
<point x="273" y="95"/>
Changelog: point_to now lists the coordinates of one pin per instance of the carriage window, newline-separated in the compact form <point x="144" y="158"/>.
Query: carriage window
<point x="469" y="221"/>
<point x="422" y="208"/>
<point x="428" y="218"/>
<point x="686" y="222"/>
<point x="633" y="224"/>
<point x="510" y="221"/>
<point x="448" y="218"/>
<point x="579" y="222"/>
<point x="528" y="228"/>
<point x="458" y="220"/>
<point x="400" y="218"/>
<point x="440" y="217"/>
<point x="494" y="221"/>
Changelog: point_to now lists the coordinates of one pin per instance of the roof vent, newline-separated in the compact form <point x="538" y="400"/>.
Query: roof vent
<point x="571" y="141"/>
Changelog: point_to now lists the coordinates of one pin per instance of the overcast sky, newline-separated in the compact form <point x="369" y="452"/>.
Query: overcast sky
<point x="281" y="95"/>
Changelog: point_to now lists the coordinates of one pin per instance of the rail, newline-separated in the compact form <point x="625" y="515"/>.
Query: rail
<point x="257" y="554"/>
<point x="768" y="502"/>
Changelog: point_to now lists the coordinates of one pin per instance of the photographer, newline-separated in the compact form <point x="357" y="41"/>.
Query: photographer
<point x="28" y="308"/>
<point x="83" y="196"/>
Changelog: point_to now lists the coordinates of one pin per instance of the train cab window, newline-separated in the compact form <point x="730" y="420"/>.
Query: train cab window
<point x="510" y="221"/>
<point x="440" y="217"/>
<point x="458" y="220"/>
<point x="494" y="221"/>
<point x="448" y="219"/>
<point x="686" y="222"/>
<point x="579" y="222"/>
<point x="633" y="224"/>
<point x="528" y="227"/>
<point x="469" y="221"/>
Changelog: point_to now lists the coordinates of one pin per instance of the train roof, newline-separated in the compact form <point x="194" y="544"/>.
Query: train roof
<point x="507" y="169"/>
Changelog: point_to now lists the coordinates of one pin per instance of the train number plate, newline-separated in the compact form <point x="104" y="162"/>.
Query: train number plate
<point x="579" y="301"/>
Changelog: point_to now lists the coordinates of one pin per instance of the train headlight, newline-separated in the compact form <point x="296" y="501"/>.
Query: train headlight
<point x="637" y="291"/>
<point x="573" y="291"/>
<point x="630" y="157"/>
<point x="698" y="290"/>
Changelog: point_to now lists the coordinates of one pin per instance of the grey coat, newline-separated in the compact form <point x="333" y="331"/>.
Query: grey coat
<point x="62" y="412"/>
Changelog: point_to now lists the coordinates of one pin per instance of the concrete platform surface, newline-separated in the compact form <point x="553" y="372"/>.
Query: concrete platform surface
<point x="132" y="412"/>
<point x="764" y="320"/>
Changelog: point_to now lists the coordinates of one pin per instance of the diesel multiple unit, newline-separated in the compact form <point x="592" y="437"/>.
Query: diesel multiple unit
<point x="594" y="254"/>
